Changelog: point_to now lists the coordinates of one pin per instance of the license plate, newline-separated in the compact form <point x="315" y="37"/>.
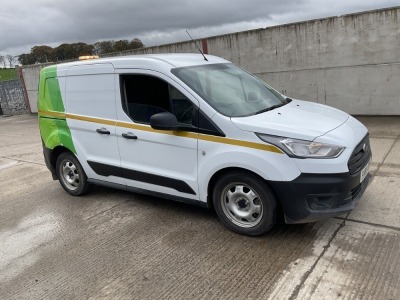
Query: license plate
<point x="364" y="172"/>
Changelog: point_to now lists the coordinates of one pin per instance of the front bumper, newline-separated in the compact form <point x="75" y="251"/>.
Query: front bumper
<point x="314" y="197"/>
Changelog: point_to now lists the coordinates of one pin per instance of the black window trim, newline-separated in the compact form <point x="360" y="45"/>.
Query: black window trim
<point x="185" y="127"/>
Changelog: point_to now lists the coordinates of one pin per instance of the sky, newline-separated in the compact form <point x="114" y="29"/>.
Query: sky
<point x="28" y="23"/>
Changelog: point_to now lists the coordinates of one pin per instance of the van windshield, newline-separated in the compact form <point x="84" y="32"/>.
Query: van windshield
<point x="230" y="90"/>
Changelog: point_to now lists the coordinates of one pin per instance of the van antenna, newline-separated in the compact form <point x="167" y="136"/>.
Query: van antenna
<point x="205" y="58"/>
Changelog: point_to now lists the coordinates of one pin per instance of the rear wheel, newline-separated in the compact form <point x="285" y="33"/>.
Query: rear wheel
<point x="71" y="175"/>
<point x="245" y="203"/>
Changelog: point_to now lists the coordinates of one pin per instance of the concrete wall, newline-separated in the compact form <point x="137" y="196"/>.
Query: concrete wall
<point x="12" y="98"/>
<point x="351" y="62"/>
<point x="31" y="79"/>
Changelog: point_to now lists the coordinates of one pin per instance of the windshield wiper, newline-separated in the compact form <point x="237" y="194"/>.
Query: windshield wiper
<point x="270" y="108"/>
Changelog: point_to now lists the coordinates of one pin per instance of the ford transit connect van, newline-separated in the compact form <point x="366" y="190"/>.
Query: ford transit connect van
<point x="204" y="132"/>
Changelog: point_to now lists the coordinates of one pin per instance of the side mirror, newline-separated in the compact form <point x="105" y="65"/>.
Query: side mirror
<point x="164" y="121"/>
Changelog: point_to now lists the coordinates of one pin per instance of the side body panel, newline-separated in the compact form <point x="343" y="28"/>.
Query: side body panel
<point x="90" y="102"/>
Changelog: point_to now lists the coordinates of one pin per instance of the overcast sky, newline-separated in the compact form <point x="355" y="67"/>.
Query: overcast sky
<point x="28" y="23"/>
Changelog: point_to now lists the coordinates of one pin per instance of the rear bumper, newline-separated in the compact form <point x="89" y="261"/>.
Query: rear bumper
<point x="314" y="197"/>
<point x="47" y="160"/>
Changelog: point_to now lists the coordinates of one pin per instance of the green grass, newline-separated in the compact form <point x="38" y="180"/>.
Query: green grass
<point x="7" y="74"/>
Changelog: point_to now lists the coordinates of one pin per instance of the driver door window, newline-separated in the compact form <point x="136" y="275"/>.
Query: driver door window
<point x="144" y="96"/>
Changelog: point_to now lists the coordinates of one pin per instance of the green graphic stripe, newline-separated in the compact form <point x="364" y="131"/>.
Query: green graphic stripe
<point x="49" y="91"/>
<point x="54" y="132"/>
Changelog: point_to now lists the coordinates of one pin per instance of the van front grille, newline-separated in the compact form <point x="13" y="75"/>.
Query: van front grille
<point x="360" y="156"/>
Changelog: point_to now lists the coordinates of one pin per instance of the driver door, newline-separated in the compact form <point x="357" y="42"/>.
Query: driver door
<point x="158" y="161"/>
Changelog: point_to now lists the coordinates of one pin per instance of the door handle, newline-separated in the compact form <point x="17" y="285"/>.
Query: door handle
<point x="102" y="131"/>
<point x="129" y="136"/>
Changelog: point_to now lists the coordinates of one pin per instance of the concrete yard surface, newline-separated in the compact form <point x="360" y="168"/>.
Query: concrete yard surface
<point x="111" y="244"/>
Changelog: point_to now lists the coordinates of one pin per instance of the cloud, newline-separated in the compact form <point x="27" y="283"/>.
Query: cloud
<point x="38" y="22"/>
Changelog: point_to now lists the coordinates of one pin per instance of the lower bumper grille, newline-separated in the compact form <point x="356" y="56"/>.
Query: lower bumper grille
<point x="354" y="192"/>
<point x="360" y="156"/>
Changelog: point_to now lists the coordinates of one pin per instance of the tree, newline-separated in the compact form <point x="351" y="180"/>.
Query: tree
<point x="104" y="47"/>
<point x="2" y="60"/>
<point x="42" y="54"/>
<point x="10" y="60"/>
<point x="121" y="45"/>
<point x="82" y="49"/>
<point x="61" y="52"/>
<point x="26" y="59"/>
<point x="136" y="44"/>
<point x="71" y="51"/>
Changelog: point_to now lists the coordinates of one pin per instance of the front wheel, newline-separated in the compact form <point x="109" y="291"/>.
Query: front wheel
<point x="245" y="203"/>
<point x="71" y="175"/>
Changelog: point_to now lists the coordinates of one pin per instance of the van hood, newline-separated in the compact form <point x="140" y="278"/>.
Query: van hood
<point x="298" y="119"/>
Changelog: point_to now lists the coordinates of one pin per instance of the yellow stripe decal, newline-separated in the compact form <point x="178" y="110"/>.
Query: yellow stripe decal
<point x="150" y="129"/>
<point x="92" y="120"/>
<point x="51" y="114"/>
<point x="203" y="137"/>
<point x="223" y="140"/>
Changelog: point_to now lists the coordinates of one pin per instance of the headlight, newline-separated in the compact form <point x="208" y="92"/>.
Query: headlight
<point x="301" y="148"/>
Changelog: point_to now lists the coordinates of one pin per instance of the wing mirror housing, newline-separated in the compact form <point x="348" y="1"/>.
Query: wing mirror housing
<point x="164" y="121"/>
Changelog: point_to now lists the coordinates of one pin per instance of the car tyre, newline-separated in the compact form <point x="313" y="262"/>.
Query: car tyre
<point x="71" y="175"/>
<point x="245" y="203"/>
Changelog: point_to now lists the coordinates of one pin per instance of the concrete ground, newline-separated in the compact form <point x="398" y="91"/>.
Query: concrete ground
<point x="115" y="244"/>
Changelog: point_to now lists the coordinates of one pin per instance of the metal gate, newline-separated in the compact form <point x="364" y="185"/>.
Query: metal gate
<point x="12" y="98"/>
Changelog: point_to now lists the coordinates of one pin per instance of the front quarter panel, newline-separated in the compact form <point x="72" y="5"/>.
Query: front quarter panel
<point x="214" y="157"/>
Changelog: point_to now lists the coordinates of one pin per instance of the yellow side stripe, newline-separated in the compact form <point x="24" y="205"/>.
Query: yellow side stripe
<point x="51" y="114"/>
<point x="90" y="119"/>
<point x="223" y="140"/>
<point x="200" y="136"/>
<point x="150" y="129"/>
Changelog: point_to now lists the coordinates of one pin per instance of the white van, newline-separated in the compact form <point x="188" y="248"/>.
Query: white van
<point x="203" y="132"/>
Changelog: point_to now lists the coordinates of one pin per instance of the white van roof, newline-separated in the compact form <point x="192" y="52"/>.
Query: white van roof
<point x="149" y="61"/>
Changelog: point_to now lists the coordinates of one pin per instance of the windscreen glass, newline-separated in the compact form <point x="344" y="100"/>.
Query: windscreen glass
<point x="230" y="90"/>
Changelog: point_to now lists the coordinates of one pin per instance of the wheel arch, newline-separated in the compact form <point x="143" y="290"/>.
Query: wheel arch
<point x="218" y="174"/>
<point x="55" y="153"/>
